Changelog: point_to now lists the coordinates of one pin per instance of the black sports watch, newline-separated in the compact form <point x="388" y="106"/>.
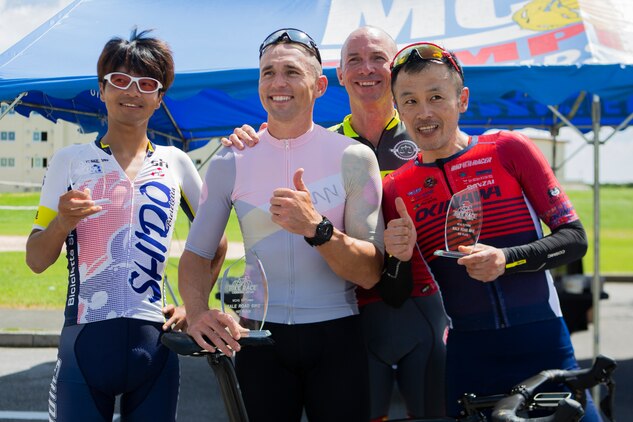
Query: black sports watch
<point x="323" y="233"/>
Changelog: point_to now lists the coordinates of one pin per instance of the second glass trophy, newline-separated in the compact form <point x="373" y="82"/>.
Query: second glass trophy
<point x="244" y="294"/>
<point x="464" y="218"/>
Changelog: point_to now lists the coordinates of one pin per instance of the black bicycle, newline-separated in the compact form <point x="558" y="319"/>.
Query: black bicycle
<point x="564" y="406"/>
<point x="222" y="366"/>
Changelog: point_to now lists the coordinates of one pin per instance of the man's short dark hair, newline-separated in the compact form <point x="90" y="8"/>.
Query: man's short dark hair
<point x="140" y="54"/>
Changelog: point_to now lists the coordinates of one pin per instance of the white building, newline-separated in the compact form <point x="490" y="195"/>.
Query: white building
<point x="26" y="146"/>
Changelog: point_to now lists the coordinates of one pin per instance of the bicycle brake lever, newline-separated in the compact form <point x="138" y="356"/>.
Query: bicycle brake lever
<point x="568" y="410"/>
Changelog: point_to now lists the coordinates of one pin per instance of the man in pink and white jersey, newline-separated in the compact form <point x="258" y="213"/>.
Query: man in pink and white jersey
<point x="308" y="202"/>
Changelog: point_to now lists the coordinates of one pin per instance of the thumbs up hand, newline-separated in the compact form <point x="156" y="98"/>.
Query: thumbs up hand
<point x="400" y="234"/>
<point x="293" y="210"/>
<point x="297" y="179"/>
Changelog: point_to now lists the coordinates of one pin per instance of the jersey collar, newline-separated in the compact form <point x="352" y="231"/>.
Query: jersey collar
<point x="151" y="148"/>
<point x="472" y="141"/>
<point x="349" y="131"/>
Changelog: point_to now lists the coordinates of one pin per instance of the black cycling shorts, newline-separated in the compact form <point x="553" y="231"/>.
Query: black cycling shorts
<point x="320" y="367"/>
<point x="117" y="357"/>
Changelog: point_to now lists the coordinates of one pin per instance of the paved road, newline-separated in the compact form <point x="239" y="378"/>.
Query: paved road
<point x="25" y="375"/>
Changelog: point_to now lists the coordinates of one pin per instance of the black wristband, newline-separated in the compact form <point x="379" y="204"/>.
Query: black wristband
<point x="396" y="281"/>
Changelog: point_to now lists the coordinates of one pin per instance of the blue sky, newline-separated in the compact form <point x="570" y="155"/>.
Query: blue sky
<point x="19" y="17"/>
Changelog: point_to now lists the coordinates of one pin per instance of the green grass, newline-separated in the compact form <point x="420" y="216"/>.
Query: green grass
<point x="22" y="288"/>
<point x="17" y="222"/>
<point x="616" y="228"/>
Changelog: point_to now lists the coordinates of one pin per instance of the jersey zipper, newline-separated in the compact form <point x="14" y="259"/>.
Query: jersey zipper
<point x="440" y="164"/>
<point x="500" y="316"/>
<point x="382" y="134"/>
<point x="130" y="234"/>
<point x="291" y="279"/>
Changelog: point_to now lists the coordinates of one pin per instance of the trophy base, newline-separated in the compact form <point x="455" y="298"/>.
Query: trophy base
<point x="255" y="333"/>
<point x="449" y="254"/>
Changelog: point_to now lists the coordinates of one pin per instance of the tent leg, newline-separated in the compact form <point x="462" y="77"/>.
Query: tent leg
<point x="596" y="286"/>
<point x="185" y="143"/>
<point x="210" y="155"/>
<point x="555" y="167"/>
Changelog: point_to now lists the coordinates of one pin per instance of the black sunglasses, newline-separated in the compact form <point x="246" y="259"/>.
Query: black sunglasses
<point x="292" y="35"/>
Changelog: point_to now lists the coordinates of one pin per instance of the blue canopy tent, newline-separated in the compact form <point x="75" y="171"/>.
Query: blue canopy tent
<point x="538" y="63"/>
<point x="514" y="72"/>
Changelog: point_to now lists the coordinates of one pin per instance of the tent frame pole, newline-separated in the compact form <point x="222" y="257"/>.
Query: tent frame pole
<point x="596" y="285"/>
<point x="13" y="104"/>
<point x="185" y="142"/>
<point x="565" y="120"/>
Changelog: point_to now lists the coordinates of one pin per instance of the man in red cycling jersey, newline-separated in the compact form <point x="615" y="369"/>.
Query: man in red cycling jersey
<point x="506" y="318"/>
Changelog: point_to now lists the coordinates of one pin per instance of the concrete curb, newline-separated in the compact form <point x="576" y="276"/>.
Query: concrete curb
<point x="29" y="339"/>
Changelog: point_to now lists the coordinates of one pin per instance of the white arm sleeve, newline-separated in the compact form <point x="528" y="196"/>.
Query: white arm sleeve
<point x="363" y="213"/>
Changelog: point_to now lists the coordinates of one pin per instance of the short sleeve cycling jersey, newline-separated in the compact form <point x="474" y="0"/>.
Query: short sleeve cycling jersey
<point x="394" y="149"/>
<point x="395" y="146"/>
<point x="344" y="182"/>
<point x="518" y="189"/>
<point x="116" y="258"/>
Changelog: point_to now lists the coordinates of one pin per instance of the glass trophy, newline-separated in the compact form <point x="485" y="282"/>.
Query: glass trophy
<point x="464" y="217"/>
<point x="87" y="172"/>
<point x="244" y="294"/>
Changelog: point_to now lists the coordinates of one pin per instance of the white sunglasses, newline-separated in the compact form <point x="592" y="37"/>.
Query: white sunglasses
<point x="123" y="81"/>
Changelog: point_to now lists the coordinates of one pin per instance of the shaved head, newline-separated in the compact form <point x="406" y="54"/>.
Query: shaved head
<point x="376" y="34"/>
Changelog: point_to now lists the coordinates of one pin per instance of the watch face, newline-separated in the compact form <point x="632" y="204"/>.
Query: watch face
<point x="323" y="233"/>
<point x="325" y="229"/>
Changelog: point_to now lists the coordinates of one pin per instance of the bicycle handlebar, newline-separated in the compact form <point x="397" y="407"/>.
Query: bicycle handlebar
<point x="222" y="366"/>
<point x="506" y="407"/>
<point x="183" y="344"/>
<point x="577" y="380"/>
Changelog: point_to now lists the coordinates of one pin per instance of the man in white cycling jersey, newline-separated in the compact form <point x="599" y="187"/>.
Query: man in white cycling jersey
<point x="308" y="202"/>
<point x="114" y="202"/>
